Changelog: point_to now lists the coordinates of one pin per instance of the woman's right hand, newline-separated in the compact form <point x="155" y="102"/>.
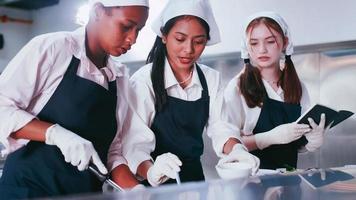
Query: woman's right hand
<point x="75" y="149"/>
<point x="239" y="153"/>
<point x="282" y="134"/>
<point x="166" y="166"/>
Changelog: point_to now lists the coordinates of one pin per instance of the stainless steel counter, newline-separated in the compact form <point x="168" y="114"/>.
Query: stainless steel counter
<point x="338" y="183"/>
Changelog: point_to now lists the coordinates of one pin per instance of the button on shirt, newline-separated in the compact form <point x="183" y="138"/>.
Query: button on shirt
<point x="34" y="73"/>
<point x="140" y="145"/>
<point x="245" y="118"/>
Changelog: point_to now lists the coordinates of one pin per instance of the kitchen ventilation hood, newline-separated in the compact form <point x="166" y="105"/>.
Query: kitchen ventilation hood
<point x="28" y="4"/>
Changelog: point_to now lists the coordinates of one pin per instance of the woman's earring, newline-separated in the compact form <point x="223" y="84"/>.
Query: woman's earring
<point x="164" y="41"/>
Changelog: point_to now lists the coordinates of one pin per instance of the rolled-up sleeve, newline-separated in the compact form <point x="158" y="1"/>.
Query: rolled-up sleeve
<point x="138" y="142"/>
<point x="219" y="129"/>
<point x="132" y="145"/>
<point x="234" y="112"/>
<point x="115" y="156"/>
<point x="19" y="84"/>
<point x="138" y="139"/>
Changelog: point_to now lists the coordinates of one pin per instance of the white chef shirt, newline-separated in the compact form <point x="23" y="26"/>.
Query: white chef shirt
<point x="245" y="118"/>
<point x="34" y="73"/>
<point x="138" y="146"/>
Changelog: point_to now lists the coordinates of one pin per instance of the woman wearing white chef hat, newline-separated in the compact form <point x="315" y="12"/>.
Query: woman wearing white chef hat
<point x="179" y="99"/>
<point x="65" y="98"/>
<point x="265" y="99"/>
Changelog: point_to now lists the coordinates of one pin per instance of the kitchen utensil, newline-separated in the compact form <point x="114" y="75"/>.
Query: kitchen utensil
<point x="104" y="178"/>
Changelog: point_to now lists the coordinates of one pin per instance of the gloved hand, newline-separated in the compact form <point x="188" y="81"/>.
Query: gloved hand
<point x="282" y="134"/>
<point x="316" y="136"/>
<point x="239" y="153"/>
<point x="166" y="166"/>
<point x="76" y="150"/>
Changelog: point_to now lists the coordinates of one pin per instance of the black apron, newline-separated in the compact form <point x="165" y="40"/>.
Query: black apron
<point x="273" y="114"/>
<point x="38" y="169"/>
<point x="178" y="129"/>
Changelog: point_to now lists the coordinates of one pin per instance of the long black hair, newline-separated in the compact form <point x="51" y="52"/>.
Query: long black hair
<point x="157" y="57"/>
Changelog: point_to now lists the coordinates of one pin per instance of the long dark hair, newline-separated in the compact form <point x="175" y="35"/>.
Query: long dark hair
<point x="157" y="57"/>
<point x="250" y="82"/>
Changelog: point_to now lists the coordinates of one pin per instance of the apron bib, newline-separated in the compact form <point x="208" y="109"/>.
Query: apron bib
<point x="178" y="129"/>
<point x="273" y="114"/>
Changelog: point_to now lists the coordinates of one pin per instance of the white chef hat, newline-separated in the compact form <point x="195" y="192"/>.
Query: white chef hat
<point x="82" y="16"/>
<point x="276" y="17"/>
<point x="198" y="8"/>
<point x="111" y="3"/>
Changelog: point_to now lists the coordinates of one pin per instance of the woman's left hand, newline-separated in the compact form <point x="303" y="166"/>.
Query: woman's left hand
<point x="316" y="136"/>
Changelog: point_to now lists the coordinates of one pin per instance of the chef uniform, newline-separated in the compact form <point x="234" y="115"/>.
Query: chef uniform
<point x="273" y="113"/>
<point x="179" y="126"/>
<point x="53" y="80"/>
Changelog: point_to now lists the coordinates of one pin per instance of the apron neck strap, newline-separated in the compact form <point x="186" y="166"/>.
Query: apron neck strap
<point x="202" y="81"/>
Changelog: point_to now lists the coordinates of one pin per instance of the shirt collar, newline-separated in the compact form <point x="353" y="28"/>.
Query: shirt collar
<point x="113" y="69"/>
<point x="117" y="68"/>
<point x="170" y="80"/>
<point x="279" y="94"/>
<point x="78" y="45"/>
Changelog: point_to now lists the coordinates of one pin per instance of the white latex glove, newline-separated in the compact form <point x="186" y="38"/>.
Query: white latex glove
<point x="282" y="134"/>
<point x="166" y="166"/>
<point x="76" y="150"/>
<point x="239" y="153"/>
<point x="316" y="136"/>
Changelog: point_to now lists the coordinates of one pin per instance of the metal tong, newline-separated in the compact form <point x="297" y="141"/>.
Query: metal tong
<point x="104" y="178"/>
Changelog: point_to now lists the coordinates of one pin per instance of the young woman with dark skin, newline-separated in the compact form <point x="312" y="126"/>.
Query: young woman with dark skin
<point x="61" y="96"/>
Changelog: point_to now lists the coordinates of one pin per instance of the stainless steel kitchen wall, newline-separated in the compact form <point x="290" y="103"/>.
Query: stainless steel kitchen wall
<point x="330" y="78"/>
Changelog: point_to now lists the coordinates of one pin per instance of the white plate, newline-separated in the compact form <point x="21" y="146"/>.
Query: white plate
<point x="262" y="172"/>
